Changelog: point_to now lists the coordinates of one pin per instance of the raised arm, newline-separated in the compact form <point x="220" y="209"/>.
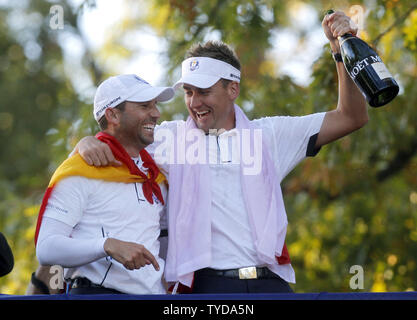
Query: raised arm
<point x="351" y="112"/>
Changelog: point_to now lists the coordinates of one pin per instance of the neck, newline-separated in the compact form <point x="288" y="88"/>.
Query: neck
<point x="230" y="121"/>
<point x="131" y="148"/>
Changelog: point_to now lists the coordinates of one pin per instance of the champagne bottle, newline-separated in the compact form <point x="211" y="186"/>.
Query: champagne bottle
<point x="367" y="70"/>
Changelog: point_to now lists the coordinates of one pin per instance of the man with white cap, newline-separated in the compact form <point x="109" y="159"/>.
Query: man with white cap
<point x="103" y="224"/>
<point x="227" y="225"/>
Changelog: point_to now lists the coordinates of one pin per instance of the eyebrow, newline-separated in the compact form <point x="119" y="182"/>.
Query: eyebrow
<point x="185" y="87"/>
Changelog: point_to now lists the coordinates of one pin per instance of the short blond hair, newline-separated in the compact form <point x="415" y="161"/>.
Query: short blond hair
<point x="216" y="50"/>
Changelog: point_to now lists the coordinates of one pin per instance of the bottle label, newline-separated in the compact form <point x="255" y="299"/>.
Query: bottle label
<point x="381" y="70"/>
<point x="375" y="62"/>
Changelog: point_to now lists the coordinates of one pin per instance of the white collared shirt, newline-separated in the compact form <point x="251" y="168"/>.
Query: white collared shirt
<point x="91" y="211"/>
<point x="287" y="139"/>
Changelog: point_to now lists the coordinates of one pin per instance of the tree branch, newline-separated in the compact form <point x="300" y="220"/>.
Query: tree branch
<point x="401" y="159"/>
<point x="395" y="24"/>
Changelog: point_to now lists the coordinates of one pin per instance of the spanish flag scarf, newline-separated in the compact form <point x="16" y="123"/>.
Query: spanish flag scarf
<point x="127" y="173"/>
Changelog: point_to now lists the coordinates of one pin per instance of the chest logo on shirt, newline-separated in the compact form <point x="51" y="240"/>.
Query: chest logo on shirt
<point x="140" y="197"/>
<point x="155" y="199"/>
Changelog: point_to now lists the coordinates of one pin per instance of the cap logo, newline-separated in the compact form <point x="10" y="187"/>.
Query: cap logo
<point x="194" y="65"/>
<point x="107" y="106"/>
<point x="140" y="79"/>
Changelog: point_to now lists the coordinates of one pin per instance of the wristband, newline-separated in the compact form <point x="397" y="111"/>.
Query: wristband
<point x="39" y="284"/>
<point x="337" y="57"/>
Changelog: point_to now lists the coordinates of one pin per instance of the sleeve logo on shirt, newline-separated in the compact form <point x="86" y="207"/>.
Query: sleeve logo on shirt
<point x="52" y="207"/>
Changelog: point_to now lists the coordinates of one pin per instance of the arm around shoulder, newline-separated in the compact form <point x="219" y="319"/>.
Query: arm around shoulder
<point x="95" y="152"/>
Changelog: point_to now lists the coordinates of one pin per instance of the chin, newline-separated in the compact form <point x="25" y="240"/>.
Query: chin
<point x="146" y="141"/>
<point x="205" y="127"/>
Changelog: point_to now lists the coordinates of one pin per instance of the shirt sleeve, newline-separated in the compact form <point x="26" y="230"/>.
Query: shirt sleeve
<point x="63" y="212"/>
<point x="291" y="139"/>
<point x="56" y="247"/>
<point x="68" y="200"/>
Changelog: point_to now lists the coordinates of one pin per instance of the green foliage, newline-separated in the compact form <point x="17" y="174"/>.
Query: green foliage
<point x="38" y="106"/>
<point x="354" y="204"/>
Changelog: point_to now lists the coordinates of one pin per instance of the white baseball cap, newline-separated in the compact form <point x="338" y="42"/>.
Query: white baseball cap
<point x="203" y="72"/>
<point x="127" y="87"/>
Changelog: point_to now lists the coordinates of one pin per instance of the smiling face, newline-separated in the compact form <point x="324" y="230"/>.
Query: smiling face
<point x="212" y="108"/>
<point x="134" y="127"/>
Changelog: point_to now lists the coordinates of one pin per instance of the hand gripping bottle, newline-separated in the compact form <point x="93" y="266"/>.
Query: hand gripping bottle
<point x="367" y="70"/>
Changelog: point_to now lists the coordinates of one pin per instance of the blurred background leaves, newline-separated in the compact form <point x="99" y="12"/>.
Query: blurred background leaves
<point x="354" y="204"/>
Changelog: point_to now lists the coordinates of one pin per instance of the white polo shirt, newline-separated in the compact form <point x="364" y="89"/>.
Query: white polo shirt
<point x="97" y="210"/>
<point x="287" y="139"/>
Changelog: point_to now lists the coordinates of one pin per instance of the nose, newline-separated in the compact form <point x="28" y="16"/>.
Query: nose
<point x="154" y="113"/>
<point x="195" y="101"/>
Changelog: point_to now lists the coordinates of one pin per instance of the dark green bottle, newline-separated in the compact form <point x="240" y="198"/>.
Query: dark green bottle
<point x="367" y="70"/>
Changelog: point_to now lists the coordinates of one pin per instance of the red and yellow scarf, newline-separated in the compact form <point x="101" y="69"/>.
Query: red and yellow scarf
<point x="127" y="173"/>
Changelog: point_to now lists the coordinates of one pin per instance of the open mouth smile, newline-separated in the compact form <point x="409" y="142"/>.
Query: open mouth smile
<point x="202" y="114"/>
<point x="149" y="127"/>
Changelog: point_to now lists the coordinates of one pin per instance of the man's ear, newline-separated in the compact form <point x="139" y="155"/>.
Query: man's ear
<point x="112" y="116"/>
<point x="233" y="90"/>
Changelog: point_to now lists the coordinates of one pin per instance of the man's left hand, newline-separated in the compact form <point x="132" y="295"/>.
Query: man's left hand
<point x="335" y="25"/>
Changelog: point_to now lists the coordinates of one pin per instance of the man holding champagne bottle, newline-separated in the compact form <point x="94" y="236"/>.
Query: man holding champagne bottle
<point x="227" y="229"/>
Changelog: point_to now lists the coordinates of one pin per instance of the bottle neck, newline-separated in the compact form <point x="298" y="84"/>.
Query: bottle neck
<point x="346" y="36"/>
